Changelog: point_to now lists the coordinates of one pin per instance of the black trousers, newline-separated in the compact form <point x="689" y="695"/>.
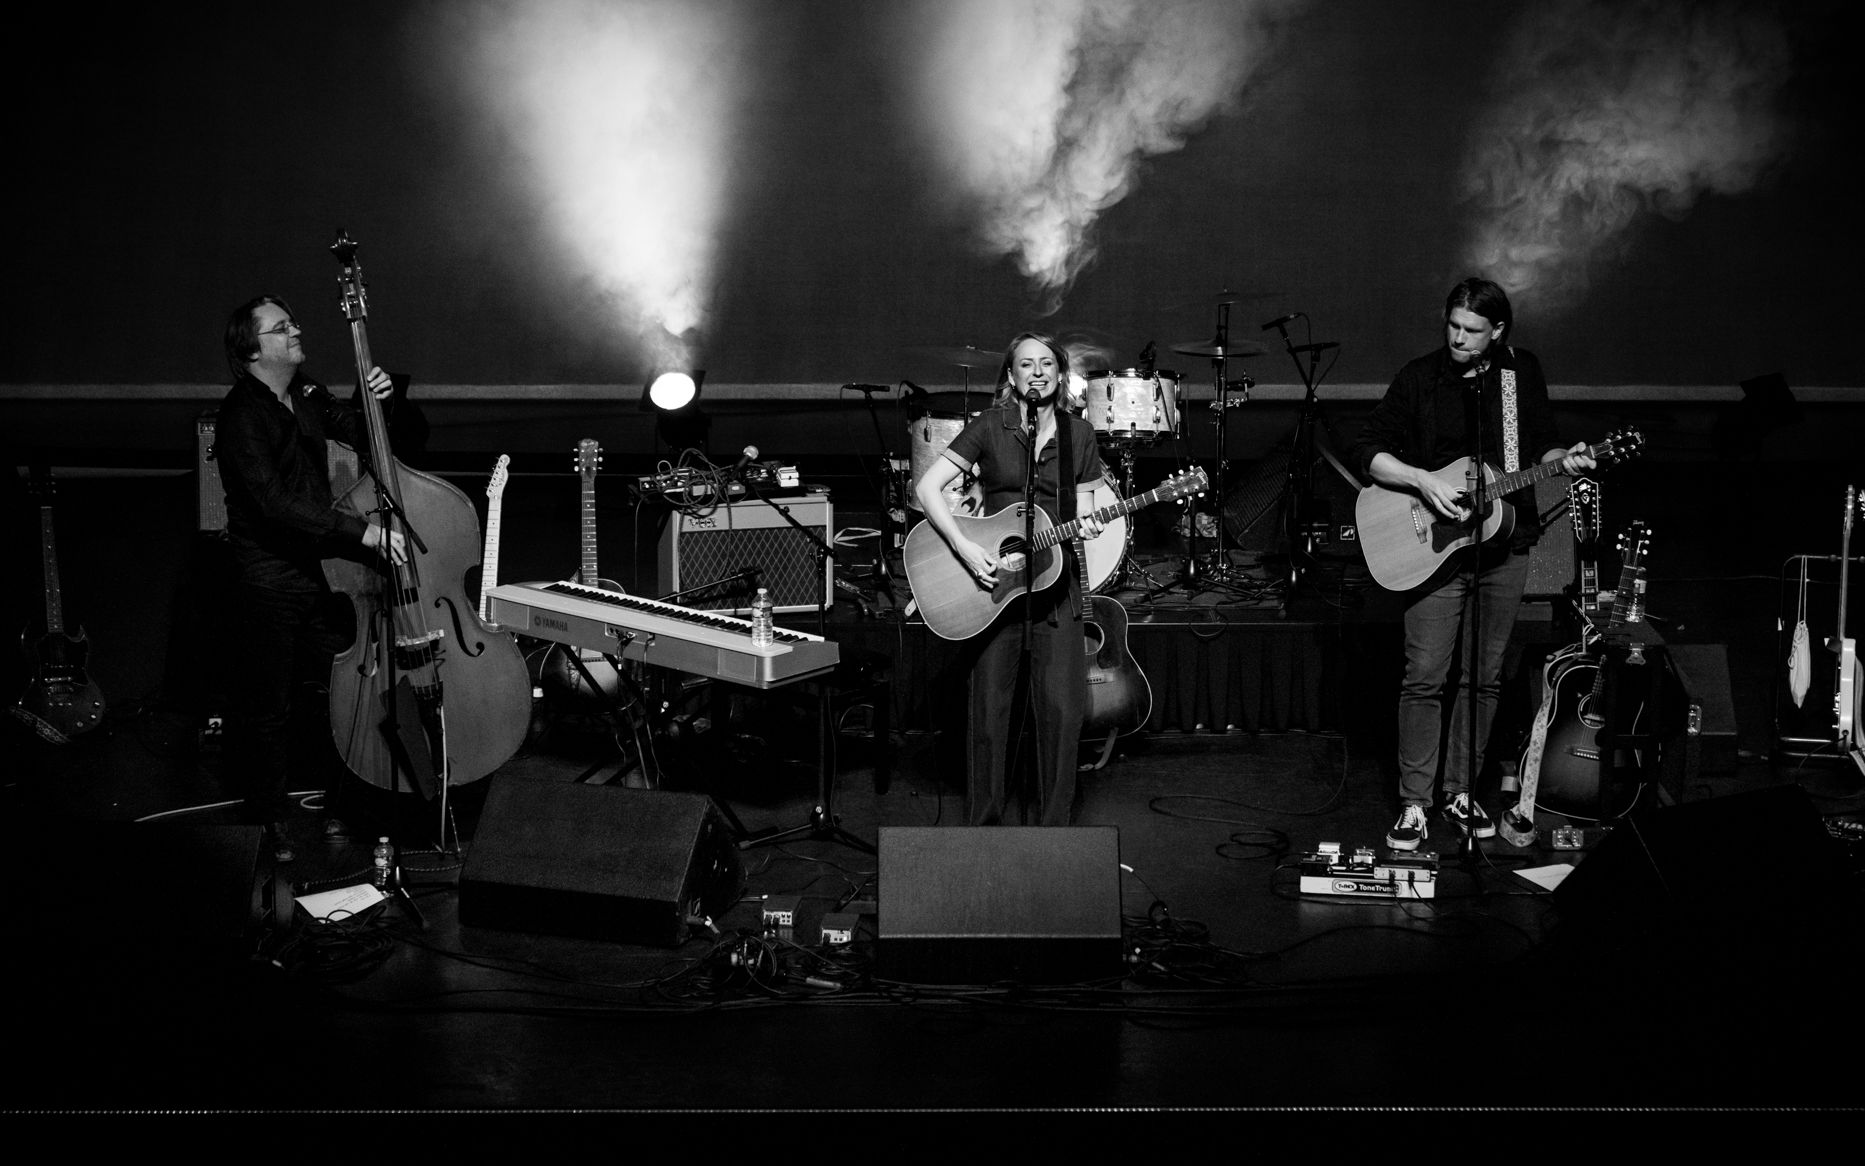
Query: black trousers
<point x="1056" y="692"/>
<point x="286" y="641"/>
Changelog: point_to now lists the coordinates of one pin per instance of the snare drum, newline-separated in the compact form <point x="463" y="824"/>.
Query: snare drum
<point x="929" y="430"/>
<point x="1129" y="405"/>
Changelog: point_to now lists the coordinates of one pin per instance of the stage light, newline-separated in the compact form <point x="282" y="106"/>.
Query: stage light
<point x="673" y="390"/>
<point x="673" y="398"/>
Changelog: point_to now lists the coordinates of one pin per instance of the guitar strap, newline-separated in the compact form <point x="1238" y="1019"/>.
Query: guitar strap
<point x="1065" y="495"/>
<point x="1511" y="424"/>
<point x="1518" y="828"/>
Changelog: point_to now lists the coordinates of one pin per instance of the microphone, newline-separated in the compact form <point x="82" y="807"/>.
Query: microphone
<point x="745" y="458"/>
<point x="1321" y="347"/>
<point x="1279" y="321"/>
<point x="915" y="389"/>
<point x="861" y="388"/>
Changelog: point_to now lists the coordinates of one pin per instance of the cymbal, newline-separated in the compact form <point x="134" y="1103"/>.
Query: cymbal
<point x="1221" y="298"/>
<point x="964" y="355"/>
<point x="1213" y="349"/>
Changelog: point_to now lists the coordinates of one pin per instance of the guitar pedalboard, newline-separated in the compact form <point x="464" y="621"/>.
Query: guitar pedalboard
<point x="1362" y="875"/>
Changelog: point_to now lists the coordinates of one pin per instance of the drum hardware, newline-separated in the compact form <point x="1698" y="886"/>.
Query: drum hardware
<point x="1298" y="491"/>
<point x="1216" y="570"/>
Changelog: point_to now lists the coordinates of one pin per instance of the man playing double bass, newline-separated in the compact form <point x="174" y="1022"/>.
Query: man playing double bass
<point x="270" y="442"/>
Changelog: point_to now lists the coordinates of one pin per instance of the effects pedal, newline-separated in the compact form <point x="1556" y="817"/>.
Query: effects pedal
<point x="1363" y="875"/>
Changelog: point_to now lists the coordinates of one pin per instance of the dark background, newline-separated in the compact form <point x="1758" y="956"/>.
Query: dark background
<point x="170" y="162"/>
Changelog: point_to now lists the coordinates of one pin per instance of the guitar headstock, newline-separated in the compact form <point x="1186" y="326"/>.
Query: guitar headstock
<point x="1619" y="445"/>
<point x="355" y="304"/>
<point x="1852" y="504"/>
<point x="1583" y="506"/>
<point x="588" y="459"/>
<point x="1184" y="485"/>
<point x="1634" y="542"/>
<point x="495" y="488"/>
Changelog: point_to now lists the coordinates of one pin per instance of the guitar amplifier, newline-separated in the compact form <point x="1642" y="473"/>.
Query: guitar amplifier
<point x="697" y="549"/>
<point x="210" y="497"/>
<point x="1551" y="561"/>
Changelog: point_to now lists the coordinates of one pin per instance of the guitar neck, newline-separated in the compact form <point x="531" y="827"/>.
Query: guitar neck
<point x="54" y="607"/>
<point x="590" y="573"/>
<point x="489" y="563"/>
<point x="1510" y="483"/>
<point x="1072" y="529"/>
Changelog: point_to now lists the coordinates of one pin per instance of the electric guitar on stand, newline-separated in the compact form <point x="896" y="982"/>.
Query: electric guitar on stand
<point x="61" y="701"/>
<point x="1562" y="756"/>
<point x="1850" y="687"/>
<point x="561" y="673"/>
<point x="1406" y="542"/>
<point x="489" y="559"/>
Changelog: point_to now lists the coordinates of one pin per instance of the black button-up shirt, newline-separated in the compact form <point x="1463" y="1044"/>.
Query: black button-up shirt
<point x="274" y="464"/>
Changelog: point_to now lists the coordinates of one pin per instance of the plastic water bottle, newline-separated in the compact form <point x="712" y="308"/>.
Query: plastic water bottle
<point x="383" y="873"/>
<point x="763" y="631"/>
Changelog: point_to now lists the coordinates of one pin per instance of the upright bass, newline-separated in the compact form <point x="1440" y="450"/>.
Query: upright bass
<point x="428" y="695"/>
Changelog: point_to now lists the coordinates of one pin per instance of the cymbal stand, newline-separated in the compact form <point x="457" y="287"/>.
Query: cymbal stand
<point x="1218" y="572"/>
<point x="1125" y="575"/>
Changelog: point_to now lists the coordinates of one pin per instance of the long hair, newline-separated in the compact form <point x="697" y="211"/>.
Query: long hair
<point x="1010" y="355"/>
<point x="1485" y="298"/>
<point x="242" y="337"/>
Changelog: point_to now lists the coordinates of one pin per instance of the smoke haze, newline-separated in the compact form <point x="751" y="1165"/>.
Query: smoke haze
<point x="1040" y="111"/>
<point x="1605" y="110"/>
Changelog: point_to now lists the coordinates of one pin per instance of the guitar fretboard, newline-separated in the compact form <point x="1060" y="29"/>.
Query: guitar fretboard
<point x="1062" y="532"/>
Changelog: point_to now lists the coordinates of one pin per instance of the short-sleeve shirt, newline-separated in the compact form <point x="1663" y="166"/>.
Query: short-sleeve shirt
<point x="994" y="443"/>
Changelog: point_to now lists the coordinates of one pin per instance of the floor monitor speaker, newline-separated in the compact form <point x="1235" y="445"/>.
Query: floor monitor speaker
<point x="975" y="905"/>
<point x="598" y="862"/>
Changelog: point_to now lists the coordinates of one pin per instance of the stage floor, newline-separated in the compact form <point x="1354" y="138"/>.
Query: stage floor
<point x="1245" y="993"/>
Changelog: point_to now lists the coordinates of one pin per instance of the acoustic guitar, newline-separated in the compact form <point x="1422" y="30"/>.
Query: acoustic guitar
<point x="562" y="675"/>
<point x="952" y="601"/>
<point x="1568" y="774"/>
<point x="61" y="700"/>
<point x="1406" y="542"/>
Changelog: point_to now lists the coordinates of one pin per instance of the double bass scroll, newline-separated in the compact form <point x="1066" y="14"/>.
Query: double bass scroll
<point x="428" y="694"/>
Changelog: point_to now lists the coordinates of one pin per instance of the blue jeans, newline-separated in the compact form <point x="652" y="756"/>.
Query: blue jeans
<point x="1436" y="623"/>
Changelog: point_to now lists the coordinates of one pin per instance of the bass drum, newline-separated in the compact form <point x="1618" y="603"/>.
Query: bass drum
<point x="936" y="419"/>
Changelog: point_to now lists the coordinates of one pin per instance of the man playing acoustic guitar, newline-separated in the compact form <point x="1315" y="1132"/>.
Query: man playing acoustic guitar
<point x="1428" y="419"/>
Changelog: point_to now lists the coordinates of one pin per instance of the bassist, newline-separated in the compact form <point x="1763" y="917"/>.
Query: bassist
<point x="270" y="439"/>
<point x="997" y="443"/>
<point x="1428" y="418"/>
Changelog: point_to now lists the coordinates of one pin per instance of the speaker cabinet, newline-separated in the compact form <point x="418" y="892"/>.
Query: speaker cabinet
<point x="699" y="549"/>
<point x="210" y="497"/>
<point x="598" y="862"/>
<point x="974" y="905"/>
<point x="1551" y="561"/>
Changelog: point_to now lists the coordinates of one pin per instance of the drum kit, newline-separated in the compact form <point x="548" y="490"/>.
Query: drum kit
<point x="1130" y="409"/>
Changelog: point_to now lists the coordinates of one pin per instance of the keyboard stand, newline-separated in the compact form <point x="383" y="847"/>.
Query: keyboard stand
<point x="822" y="825"/>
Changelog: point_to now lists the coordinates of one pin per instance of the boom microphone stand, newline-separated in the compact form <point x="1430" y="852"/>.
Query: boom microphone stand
<point x="1469" y="851"/>
<point x="1298" y="491"/>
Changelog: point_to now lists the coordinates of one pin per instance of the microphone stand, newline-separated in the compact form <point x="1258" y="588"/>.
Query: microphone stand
<point x="822" y="825"/>
<point x="881" y="569"/>
<point x="1469" y="850"/>
<point x="1026" y="654"/>
<point x="1298" y="491"/>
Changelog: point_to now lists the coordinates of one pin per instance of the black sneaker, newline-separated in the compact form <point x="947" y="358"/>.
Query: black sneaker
<point x="276" y="838"/>
<point x="1409" y="830"/>
<point x="1466" y="815"/>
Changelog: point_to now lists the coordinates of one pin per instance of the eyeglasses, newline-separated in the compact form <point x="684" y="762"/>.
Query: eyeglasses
<point x="284" y="328"/>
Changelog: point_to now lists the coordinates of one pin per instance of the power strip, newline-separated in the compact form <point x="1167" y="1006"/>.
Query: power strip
<point x="1363" y="875"/>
